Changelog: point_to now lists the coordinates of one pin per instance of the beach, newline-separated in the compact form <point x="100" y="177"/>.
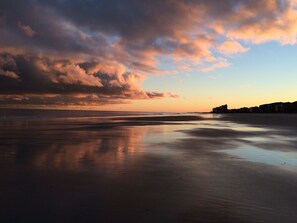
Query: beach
<point x="85" y="166"/>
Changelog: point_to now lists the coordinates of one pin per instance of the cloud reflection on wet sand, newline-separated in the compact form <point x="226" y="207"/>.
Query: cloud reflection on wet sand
<point x="154" y="173"/>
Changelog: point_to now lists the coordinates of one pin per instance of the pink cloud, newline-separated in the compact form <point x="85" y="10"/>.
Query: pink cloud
<point x="231" y="47"/>
<point x="261" y="21"/>
<point x="219" y="64"/>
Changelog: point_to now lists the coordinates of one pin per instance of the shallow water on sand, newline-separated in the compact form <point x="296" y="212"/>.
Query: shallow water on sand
<point x="101" y="169"/>
<point x="259" y="155"/>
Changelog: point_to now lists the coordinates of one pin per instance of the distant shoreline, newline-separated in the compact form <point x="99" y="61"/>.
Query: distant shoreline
<point x="276" y="107"/>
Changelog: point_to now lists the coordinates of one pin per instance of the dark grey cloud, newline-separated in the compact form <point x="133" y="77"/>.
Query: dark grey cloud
<point x="40" y="75"/>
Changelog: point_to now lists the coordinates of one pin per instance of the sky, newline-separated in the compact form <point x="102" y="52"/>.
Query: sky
<point x="147" y="55"/>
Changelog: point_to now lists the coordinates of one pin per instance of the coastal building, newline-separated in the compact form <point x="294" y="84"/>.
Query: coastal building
<point x="277" y="107"/>
<point x="220" y="109"/>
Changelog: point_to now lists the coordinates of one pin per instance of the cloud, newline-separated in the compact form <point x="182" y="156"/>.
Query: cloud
<point x="171" y="95"/>
<point x="46" y="81"/>
<point x="9" y="74"/>
<point x="218" y="64"/>
<point x="108" y="47"/>
<point x="261" y="21"/>
<point x="231" y="47"/>
<point x="27" y="30"/>
<point x="2" y="20"/>
<point x="30" y="100"/>
<point x="6" y="67"/>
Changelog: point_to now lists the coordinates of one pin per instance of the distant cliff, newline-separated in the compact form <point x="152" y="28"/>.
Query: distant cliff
<point x="277" y="107"/>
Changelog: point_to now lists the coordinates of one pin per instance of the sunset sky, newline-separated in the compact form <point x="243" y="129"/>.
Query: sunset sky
<point x="147" y="55"/>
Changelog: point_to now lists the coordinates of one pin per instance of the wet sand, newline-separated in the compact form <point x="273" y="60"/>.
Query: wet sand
<point x="274" y="120"/>
<point x="142" y="169"/>
<point x="163" y="118"/>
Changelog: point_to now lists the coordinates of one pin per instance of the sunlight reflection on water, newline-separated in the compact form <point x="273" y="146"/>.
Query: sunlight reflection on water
<point x="145" y="173"/>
